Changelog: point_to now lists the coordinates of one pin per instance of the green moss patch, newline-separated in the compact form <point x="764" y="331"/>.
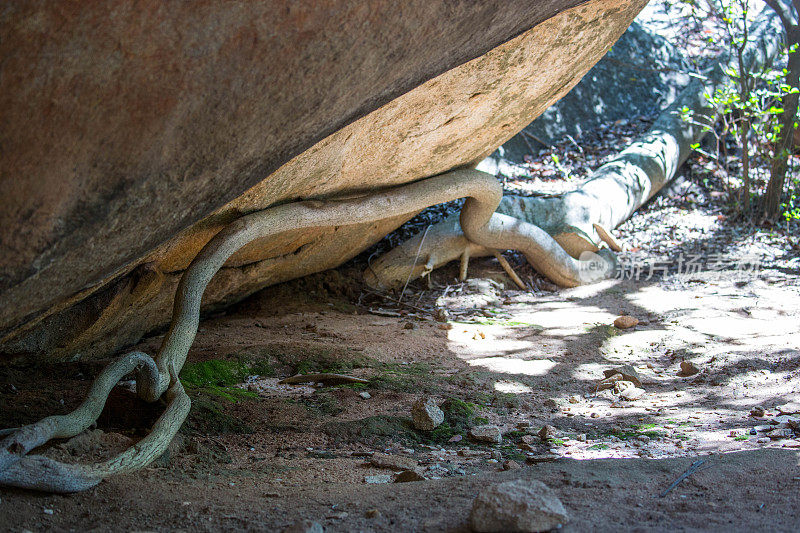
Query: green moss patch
<point x="208" y="417"/>
<point x="373" y="430"/>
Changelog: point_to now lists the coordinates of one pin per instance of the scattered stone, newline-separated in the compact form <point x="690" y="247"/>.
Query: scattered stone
<point x="574" y="399"/>
<point x="529" y="439"/>
<point x="373" y="513"/>
<point x="627" y="390"/>
<point x="547" y="432"/>
<point x="455" y="438"/>
<point x="508" y="464"/>
<point x="523" y="426"/>
<point x="527" y="447"/>
<point x="445" y="326"/>
<point x="408" y="325"/>
<point x="305" y="526"/>
<point x="628" y="374"/>
<point x="762" y="440"/>
<point x="496" y="455"/>
<point x="48" y="511"/>
<point x="608" y="383"/>
<point x="688" y="369"/>
<point x="441" y="315"/>
<point x="783" y="433"/>
<point x="581" y="437"/>
<point x="625" y="322"/>
<point x="392" y="462"/>
<point x="378" y="479"/>
<point x="365" y="395"/>
<point x="486" y="433"/>
<point x="517" y="506"/>
<point x="758" y="412"/>
<point x="426" y="414"/>
<point x="407" y="476"/>
<point x="790" y="408"/>
<point x="341" y="515"/>
<point x="469" y="453"/>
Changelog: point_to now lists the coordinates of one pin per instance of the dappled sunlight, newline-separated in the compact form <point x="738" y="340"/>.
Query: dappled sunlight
<point x="508" y="365"/>
<point x="564" y="315"/>
<point x="484" y="340"/>
<point x="745" y="348"/>
<point x="511" y="387"/>
<point x="761" y="331"/>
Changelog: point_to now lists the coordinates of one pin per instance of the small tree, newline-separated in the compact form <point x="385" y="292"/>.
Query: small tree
<point x="786" y="125"/>
<point x="758" y="107"/>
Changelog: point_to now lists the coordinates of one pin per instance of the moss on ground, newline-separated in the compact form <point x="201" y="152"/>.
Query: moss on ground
<point x="217" y="377"/>
<point x="459" y="416"/>
<point x="322" y="404"/>
<point x="208" y="417"/>
<point x="312" y="359"/>
<point x="373" y="430"/>
<point x="414" y="378"/>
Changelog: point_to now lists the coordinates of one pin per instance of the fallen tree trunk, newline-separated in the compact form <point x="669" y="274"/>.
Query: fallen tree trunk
<point x="580" y="220"/>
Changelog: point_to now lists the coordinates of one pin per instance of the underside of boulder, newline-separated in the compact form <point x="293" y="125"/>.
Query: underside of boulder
<point x="129" y="141"/>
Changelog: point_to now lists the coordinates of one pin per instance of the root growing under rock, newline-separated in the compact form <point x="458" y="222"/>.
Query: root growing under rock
<point x="159" y="376"/>
<point x="579" y="221"/>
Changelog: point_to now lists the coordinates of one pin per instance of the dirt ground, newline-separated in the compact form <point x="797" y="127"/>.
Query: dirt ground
<point x="259" y="455"/>
<point x="256" y="454"/>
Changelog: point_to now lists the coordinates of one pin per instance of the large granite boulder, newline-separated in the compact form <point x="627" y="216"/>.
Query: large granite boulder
<point x="132" y="132"/>
<point x="640" y="75"/>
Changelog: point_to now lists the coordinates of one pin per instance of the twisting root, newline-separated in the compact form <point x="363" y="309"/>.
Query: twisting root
<point x="156" y="377"/>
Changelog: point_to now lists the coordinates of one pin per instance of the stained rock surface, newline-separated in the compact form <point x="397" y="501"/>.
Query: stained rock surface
<point x="128" y="142"/>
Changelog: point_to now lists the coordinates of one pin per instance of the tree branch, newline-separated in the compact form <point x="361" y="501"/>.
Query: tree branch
<point x="778" y="9"/>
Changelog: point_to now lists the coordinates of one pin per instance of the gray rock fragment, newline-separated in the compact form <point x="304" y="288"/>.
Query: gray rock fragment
<point x="523" y="506"/>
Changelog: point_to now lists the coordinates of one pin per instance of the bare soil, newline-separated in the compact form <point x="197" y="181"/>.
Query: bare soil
<point x="259" y="455"/>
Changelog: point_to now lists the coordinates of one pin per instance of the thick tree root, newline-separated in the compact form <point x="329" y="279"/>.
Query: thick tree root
<point x="579" y="220"/>
<point x="155" y="377"/>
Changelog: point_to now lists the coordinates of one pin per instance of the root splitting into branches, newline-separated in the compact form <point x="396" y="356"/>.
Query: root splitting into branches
<point x="482" y="227"/>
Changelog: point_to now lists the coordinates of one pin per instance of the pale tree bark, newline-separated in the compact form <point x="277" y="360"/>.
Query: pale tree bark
<point x="581" y="220"/>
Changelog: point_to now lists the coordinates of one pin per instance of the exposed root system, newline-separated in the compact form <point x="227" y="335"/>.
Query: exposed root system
<point x="157" y="377"/>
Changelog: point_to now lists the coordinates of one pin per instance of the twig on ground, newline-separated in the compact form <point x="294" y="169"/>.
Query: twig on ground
<point x="537" y="139"/>
<point x="525" y="140"/>
<point x="324" y="377"/>
<point x="510" y="271"/>
<point x="395" y="300"/>
<point x="416" y="258"/>
<point x="695" y="467"/>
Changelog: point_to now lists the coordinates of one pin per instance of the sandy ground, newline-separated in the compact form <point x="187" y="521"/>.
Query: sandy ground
<point x="259" y="455"/>
<point x="275" y="454"/>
